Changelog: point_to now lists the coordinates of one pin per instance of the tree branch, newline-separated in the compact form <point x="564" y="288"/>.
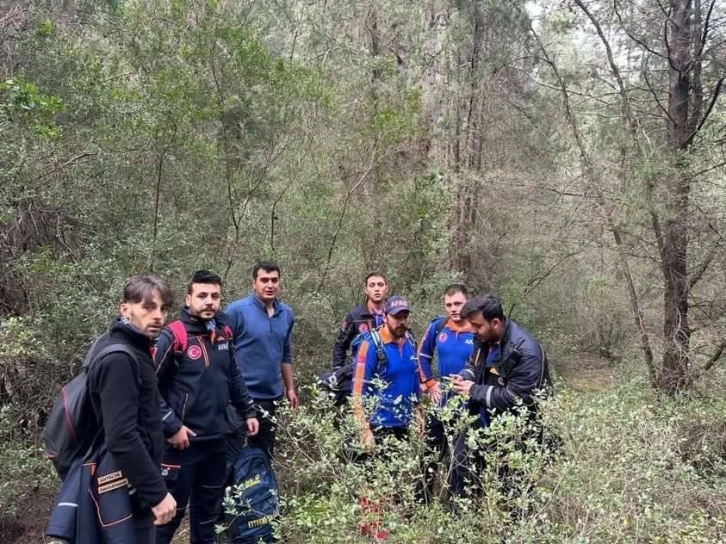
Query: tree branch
<point x="704" y="36"/>
<point x="612" y="225"/>
<point x="534" y="282"/>
<point x="715" y="357"/>
<point x="629" y="35"/>
<point x="625" y="108"/>
<point x="348" y="194"/>
<point x="70" y="161"/>
<point x="157" y="197"/>
<point x="707" y="113"/>
<point x="655" y="96"/>
<point x="703" y="266"/>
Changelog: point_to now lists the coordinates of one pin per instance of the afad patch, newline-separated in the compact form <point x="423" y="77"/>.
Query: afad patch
<point x="443" y="337"/>
<point x="363" y="327"/>
<point x="194" y="352"/>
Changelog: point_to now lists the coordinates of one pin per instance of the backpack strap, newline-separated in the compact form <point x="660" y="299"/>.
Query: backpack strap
<point x="113" y="348"/>
<point x="91" y="353"/>
<point x="179" y="332"/>
<point x="381" y="357"/>
<point x="440" y="327"/>
<point x="228" y="332"/>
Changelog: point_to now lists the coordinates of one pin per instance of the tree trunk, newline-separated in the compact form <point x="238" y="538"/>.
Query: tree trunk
<point x="432" y="84"/>
<point x="674" y="229"/>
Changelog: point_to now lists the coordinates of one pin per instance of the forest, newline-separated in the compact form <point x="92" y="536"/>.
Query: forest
<point x="569" y="155"/>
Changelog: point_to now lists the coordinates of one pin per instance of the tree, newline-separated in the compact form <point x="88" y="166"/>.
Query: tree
<point x="680" y="40"/>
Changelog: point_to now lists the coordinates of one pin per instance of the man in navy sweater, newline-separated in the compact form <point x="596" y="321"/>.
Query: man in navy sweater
<point x="262" y="327"/>
<point x="363" y="318"/>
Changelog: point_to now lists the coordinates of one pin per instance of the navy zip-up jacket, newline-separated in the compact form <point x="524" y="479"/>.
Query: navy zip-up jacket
<point x="95" y="504"/>
<point x="196" y="385"/>
<point x="262" y="344"/>
<point x="507" y="373"/>
<point x="359" y="320"/>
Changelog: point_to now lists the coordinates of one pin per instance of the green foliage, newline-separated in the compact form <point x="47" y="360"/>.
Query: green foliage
<point x="623" y="474"/>
<point x="24" y="469"/>
<point x="23" y="103"/>
<point x="426" y="140"/>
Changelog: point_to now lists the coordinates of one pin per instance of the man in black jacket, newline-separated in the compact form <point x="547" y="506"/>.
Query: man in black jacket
<point x="507" y="368"/>
<point x="198" y="377"/>
<point x="363" y="318"/>
<point x="126" y="400"/>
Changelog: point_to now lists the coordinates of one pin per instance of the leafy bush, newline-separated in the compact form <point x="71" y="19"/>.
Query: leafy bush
<point x="627" y="471"/>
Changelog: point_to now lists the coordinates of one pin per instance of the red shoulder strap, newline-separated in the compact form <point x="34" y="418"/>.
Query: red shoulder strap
<point x="228" y="333"/>
<point x="179" y="331"/>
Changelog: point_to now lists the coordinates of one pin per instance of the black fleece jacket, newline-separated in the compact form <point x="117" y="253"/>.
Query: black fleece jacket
<point x="126" y="400"/>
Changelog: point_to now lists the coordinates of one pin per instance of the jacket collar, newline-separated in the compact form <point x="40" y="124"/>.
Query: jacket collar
<point x="482" y="348"/>
<point x="261" y="305"/>
<point x="462" y="326"/>
<point x="193" y="323"/>
<point x="118" y="329"/>
<point x="370" y="309"/>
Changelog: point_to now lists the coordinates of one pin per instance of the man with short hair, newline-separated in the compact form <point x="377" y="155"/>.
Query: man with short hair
<point x="507" y="368"/>
<point x="363" y="318"/>
<point x="395" y="401"/>
<point x="198" y="377"/>
<point x="386" y="381"/>
<point x="448" y="339"/>
<point x="262" y="327"/>
<point x="125" y="399"/>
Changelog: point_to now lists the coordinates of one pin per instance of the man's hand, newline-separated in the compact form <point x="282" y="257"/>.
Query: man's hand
<point x="461" y="385"/>
<point x="434" y="392"/>
<point x="253" y="426"/>
<point x="165" y="510"/>
<point x="181" y="439"/>
<point x="291" y="395"/>
<point x="366" y="438"/>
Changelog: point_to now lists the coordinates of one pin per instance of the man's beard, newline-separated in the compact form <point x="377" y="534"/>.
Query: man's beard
<point x="400" y="332"/>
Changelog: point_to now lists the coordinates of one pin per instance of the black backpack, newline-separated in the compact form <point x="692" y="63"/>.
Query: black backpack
<point x="338" y="383"/>
<point x="72" y="427"/>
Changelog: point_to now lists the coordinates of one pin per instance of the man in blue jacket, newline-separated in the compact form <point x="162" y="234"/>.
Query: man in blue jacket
<point x="262" y="327"/>
<point x="449" y="340"/>
<point x="386" y="390"/>
<point x="508" y="366"/>
<point x="393" y="382"/>
<point x="198" y="377"/>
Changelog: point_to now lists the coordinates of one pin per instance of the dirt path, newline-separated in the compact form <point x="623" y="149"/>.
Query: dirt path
<point x="587" y="373"/>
